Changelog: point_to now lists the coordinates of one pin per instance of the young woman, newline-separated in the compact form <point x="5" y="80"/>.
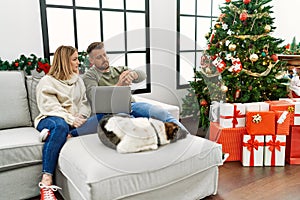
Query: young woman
<point x="61" y="99"/>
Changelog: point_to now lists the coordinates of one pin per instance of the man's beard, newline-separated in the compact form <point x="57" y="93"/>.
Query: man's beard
<point x="103" y="67"/>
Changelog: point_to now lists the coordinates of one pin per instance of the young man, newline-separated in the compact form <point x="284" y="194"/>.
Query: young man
<point x="102" y="74"/>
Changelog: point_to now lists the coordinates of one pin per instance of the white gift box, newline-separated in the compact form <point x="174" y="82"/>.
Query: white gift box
<point x="290" y="100"/>
<point x="274" y="150"/>
<point x="232" y="115"/>
<point x="253" y="150"/>
<point x="297" y="113"/>
<point x="256" y="106"/>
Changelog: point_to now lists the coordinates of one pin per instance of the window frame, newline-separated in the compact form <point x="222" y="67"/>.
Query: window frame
<point x="45" y="33"/>
<point x="196" y="16"/>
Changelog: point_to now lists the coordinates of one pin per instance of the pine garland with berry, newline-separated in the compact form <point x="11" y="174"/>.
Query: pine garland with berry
<point x="32" y="62"/>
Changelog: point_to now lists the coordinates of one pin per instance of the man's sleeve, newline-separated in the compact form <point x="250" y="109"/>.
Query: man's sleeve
<point x="90" y="81"/>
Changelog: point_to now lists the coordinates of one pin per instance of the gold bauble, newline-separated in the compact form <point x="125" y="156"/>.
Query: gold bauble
<point x="224" y="88"/>
<point x="232" y="47"/>
<point x="267" y="28"/>
<point x="253" y="57"/>
<point x="264" y="63"/>
<point x="208" y="71"/>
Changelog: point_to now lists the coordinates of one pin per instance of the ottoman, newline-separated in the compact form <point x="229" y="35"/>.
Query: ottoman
<point x="186" y="169"/>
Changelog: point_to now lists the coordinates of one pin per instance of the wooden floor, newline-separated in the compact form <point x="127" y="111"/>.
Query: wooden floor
<point x="254" y="183"/>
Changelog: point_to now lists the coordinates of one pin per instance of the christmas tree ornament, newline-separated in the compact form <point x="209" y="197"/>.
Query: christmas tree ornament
<point x="218" y="26"/>
<point x="250" y="87"/>
<point x="246" y="1"/>
<point x="236" y="65"/>
<point x="243" y="16"/>
<point x="253" y="57"/>
<point x="228" y="1"/>
<point x="263" y="54"/>
<point x="219" y="64"/>
<point x="203" y="102"/>
<point x="224" y="88"/>
<point x="237" y="93"/>
<point x="274" y="57"/>
<point x="232" y="47"/>
<point x="267" y="28"/>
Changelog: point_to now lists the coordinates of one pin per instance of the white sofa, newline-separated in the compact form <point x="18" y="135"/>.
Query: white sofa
<point x="187" y="169"/>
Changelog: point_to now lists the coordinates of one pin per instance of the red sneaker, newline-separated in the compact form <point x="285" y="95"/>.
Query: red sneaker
<point x="47" y="191"/>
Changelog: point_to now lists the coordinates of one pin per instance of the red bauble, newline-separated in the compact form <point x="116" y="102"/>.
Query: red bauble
<point x="246" y="1"/>
<point x="228" y="1"/>
<point x="243" y="16"/>
<point x="29" y="63"/>
<point x="16" y="64"/>
<point x="203" y="102"/>
<point x="274" y="57"/>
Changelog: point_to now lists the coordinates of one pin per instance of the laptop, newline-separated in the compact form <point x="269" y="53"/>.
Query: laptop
<point x="111" y="99"/>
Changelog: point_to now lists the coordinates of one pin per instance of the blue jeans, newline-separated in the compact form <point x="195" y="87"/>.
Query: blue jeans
<point x="138" y="109"/>
<point x="59" y="130"/>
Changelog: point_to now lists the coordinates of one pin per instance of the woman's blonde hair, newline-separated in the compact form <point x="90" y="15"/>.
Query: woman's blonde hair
<point x="61" y="66"/>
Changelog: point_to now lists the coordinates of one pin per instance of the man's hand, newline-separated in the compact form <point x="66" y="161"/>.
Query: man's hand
<point x="79" y="120"/>
<point x="126" y="78"/>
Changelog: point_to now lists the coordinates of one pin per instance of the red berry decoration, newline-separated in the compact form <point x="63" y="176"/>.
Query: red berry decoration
<point x="246" y="1"/>
<point x="228" y="1"/>
<point x="274" y="57"/>
<point x="29" y="63"/>
<point x="243" y="16"/>
<point x="16" y="64"/>
<point x="203" y="102"/>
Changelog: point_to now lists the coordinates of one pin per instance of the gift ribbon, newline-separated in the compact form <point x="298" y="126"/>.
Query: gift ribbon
<point x="273" y="146"/>
<point x="236" y="114"/>
<point x="252" y="144"/>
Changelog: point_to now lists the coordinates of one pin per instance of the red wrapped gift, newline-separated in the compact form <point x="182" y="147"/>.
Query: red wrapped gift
<point x="282" y="122"/>
<point x="260" y="123"/>
<point x="274" y="150"/>
<point x="292" y="153"/>
<point x="253" y="150"/>
<point x="230" y="138"/>
<point x="283" y="105"/>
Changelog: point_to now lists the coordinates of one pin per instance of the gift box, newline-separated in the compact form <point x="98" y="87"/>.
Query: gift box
<point x="260" y="123"/>
<point x="232" y="115"/>
<point x="214" y="111"/>
<point x="256" y="106"/>
<point x="297" y="113"/>
<point x="282" y="122"/>
<point x="290" y="99"/>
<point x="274" y="150"/>
<point x="230" y="138"/>
<point x="283" y="105"/>
<point x="292" y="153"/>
<point x="253" y="150"/>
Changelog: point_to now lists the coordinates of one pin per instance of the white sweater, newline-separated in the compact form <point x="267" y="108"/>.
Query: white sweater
<point x="60" y="98"/>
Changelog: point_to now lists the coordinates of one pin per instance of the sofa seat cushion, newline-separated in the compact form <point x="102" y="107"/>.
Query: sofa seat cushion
<point x="98" y="171"/>
<point x="13" y="102"/>
<point x="19" y="147"/>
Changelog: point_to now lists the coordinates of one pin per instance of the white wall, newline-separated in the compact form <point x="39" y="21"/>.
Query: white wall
<point x="20" y="29"/>
<point x="21" y="34"/>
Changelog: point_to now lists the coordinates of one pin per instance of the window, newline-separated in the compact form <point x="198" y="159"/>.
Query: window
<point x="194" y="20"/>
<point x="123" y="25"/>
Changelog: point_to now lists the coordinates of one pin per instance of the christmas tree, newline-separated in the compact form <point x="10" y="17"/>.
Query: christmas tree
<point x="240" y="63"/>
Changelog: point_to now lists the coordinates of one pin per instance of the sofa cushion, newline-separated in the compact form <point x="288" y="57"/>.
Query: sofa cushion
<point x="19" y="147"/>
<point x="97" y="171"/>
<point x="13" y="102"/>
<point x="31" y="83"/>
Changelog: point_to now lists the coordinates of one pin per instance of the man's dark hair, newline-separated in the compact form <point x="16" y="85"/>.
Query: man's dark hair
<point x="94" y="45"/>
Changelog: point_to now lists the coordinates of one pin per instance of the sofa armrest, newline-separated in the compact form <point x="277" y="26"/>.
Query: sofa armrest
<point x="174" y="110"/>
